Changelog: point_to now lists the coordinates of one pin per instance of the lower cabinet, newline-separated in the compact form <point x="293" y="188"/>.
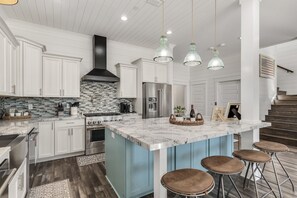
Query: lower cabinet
<point x="17" y="186"/>
<point x="60" y="138"/>
<point x="46" y="140"/>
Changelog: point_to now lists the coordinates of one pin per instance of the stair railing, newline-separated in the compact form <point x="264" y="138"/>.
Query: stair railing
<point x="286" y="69"/>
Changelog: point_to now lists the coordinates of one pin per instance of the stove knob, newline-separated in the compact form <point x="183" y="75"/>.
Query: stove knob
<point x="89" y="123"/>
<point x="94" y="122"/>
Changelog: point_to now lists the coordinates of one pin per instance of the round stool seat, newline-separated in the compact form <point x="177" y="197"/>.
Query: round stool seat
<point x="223" y="165"/>
<point x="188" y="182"/>
<point x="271" y="147"/>
<point x="252" y="156"/>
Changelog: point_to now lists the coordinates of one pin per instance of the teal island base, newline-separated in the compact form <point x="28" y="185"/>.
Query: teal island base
<point x="130" y="168"/>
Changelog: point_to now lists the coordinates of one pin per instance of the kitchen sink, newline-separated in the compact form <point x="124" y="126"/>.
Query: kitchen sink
<point x="5" y="140"/>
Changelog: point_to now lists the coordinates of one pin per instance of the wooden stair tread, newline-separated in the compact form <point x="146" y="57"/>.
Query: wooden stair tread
<point x="280" y="137"/>
<point x="279" y="129"/>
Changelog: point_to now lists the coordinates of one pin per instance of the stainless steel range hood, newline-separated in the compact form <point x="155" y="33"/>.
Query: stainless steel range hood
<point x="100" y="72"/>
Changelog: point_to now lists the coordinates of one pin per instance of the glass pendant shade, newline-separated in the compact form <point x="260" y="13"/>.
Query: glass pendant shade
<point x="8" y="2"/>
<point x="192" y="58"/>
<point x="163" y="53"/>
<point x="215" y="63"/>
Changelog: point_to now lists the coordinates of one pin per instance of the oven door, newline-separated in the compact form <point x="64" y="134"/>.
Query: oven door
<point x="95" y="138"/>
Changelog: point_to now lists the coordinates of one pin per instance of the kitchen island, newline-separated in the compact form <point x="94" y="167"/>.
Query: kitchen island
<point x="139" y="152"/>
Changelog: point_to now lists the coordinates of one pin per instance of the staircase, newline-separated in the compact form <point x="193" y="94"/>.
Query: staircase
<point x="283" y="117"/>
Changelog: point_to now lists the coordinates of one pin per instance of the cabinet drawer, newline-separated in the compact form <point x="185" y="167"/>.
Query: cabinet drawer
<point x="69" y="123"/>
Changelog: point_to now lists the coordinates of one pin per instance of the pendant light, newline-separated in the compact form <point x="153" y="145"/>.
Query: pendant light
<point x="163" y="54"/>
<point x="192" y="58"/>
<point x="8" y="2"/>
<point x="215" y="63"/>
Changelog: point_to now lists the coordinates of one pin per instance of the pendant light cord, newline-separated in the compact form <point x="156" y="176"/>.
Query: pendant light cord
<point x="192" y="21"/>
<point x="163" y="18"/>
<point x="215" y="27"/>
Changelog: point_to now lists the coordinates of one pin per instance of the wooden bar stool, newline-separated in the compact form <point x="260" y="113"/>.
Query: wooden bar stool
<point x="254" y="159"/>
<point x="223" y="166"/>
<point x="272" y="148"/>
<point x="188" y="182"/>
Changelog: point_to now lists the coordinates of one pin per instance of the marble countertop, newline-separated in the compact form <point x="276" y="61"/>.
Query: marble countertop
<point x="158" y="133"/>
<point x="23" y="127"/>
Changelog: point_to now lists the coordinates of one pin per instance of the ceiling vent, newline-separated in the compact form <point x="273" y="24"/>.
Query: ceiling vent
<point x="156" y="3"/>
<point x="267" y="67"/>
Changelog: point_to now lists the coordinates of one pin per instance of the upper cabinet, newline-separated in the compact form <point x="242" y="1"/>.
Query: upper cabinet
<point x="127" y="87"/>
<point x="150" y="71"/>
<point x="8" y="45"/>
<point x="30" y="67"/>
<point x="61" y="76"/>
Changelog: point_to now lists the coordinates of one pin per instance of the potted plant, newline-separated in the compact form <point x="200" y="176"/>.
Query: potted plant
<point x="179" y="112"/>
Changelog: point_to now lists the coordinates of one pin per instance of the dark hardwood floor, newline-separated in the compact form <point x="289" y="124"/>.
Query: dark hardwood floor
<point x="89" y="181"/>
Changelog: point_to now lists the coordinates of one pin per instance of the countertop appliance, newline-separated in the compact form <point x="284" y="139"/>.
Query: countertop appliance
<point x="157" y="100"/>
<point x="95" y="131"/>
<point x="100" y="72"/>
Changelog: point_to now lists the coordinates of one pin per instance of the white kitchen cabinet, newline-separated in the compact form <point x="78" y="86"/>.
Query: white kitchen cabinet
<point x="17" y="186"/>
<point x="148" y="72"/>
<point x="127" y="87"/>
<point x="62" y="141"/>
<point x="161" y="73"/>
<point x="71" y="77"/>
<point x="31" y="67"/>
<point x="61" y="76"/>
<point x="46" y="140"/>
<point x="51" y="78"/>
<point x="8" y="46"/>
<point x="69" y="136"/>
<point x="78" y="139"/>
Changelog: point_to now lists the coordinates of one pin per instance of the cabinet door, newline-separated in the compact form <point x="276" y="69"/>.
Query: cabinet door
<point x="71" y="78"/>
<point x="52" y="77"/>
<point x="2" y="63"/>
<point x="148" y="72"/>
<point x="32" y="70"/>
<point x="62" y="141"/>
<point x="8" y="57"/>
<point x="161" y="73"/>
<point x="128" y="82"/>
<point x="46" y="140"/>
<point x="78" y="139"/>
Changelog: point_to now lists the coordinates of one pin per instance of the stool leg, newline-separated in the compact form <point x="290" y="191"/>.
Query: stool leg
<point x="276" y="177"/>
<point x="223" y="188"/>
<point x="255" y="182"/>
<point x="219" y="187"/>
<point x="247" y="170"/>
<point x="293" y="188"/>
<point x="234" y="186"/>
<point x="262" y="176"/>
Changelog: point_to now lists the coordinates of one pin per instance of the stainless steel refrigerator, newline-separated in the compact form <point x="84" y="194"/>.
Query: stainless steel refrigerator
<point x="157" y="100"/>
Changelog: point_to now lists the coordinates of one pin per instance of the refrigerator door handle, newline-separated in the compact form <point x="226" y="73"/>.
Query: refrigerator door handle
<point x="160" y="104"/>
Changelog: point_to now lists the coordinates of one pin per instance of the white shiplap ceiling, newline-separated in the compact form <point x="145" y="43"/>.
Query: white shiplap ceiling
<point x="143" y="28"/>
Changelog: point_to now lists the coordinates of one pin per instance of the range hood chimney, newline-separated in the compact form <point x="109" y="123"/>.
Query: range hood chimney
<point x="100" y="72"/>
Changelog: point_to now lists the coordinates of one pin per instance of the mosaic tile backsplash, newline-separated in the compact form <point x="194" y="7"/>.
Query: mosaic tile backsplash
<point x="94" y="97"/>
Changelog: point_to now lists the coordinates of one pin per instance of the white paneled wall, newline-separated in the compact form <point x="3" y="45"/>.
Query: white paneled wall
<point x="287" y="57"/>
<point x="201" y="74"/>
<point x="79" y="45"/>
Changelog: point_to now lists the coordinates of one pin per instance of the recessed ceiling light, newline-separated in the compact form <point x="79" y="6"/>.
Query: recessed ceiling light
<point x="169" y="32"/>
<point x="124" y="18"/>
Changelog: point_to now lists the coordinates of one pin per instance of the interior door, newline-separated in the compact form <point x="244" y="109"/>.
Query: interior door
<point x="228" y="91"/>
<point x="198" y="98"/>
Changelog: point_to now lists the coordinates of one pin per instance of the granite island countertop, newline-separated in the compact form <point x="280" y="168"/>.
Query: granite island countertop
<point x="158" y="133"/>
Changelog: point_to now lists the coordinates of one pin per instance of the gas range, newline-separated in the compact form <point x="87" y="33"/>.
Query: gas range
<point x="93" y="119"/>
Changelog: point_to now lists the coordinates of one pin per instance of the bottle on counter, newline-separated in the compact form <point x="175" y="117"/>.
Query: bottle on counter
<point x="192" y="113"/>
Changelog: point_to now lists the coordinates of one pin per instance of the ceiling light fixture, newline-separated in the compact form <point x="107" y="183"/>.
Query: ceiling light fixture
<point x="124" y="18"/>
<point x="169" y="32"/>
<point x="215" y="63"/>
<point x="163" y="54"/>
<point x="8" y="2"/>
<point x="192" y="58"/>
